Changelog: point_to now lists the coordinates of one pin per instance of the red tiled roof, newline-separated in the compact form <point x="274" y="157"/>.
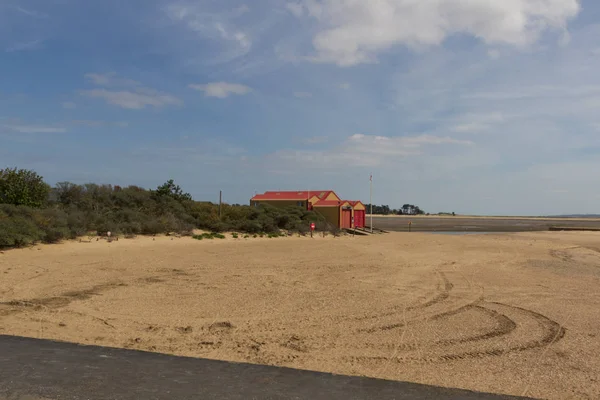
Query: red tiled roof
<point x="322" y="194"/>
<point x="354" y="202"/>
<point x="290" y="195"/>
<point x="327" y="203"/>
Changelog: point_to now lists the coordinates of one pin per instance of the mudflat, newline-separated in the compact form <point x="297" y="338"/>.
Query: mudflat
<point x="422" y="223"/>
<point x="504" y="313"/>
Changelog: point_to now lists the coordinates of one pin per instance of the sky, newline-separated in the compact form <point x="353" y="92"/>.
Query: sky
<point x="472" y="106"/>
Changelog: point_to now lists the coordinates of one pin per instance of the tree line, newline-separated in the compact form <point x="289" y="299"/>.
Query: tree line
<point x="406" y="209"/>
<point x="33" y="211"/>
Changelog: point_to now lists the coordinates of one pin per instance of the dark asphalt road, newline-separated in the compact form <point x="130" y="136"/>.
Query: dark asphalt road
<point x="40" y="369"/>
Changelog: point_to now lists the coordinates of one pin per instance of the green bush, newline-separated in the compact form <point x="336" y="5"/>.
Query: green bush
<point x="30" y="214"/>
<point x="152" y="227"/>
<point x="22" y="187"/>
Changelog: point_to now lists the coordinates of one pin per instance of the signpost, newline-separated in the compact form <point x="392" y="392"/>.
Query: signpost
<point x="312" y="228"/>
<point x="371" y="200"/>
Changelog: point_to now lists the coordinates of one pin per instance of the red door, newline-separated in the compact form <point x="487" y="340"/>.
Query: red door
<point x="346" y="218"/>
<point x="359" y="218"/>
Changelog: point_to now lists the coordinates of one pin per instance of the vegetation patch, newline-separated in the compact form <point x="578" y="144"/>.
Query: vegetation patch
<point x="31" y="211"/>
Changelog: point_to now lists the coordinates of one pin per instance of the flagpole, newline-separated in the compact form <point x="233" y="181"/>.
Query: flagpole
<point x="371" y="200"/>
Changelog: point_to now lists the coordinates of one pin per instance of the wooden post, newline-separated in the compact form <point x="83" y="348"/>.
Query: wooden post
<point x="220" y="201"/>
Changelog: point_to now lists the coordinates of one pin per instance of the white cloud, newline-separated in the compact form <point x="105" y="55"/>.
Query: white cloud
<point x="295" y="8"/>
<point x="243" y="9"/>
<point x="218" y="26"/>
<point x="494" y="54"/>
<point x="69" y="105"/>
<point x="34" y="129"/>
<point x="315" y="140"/>
<point x="353" y="32"/>
<point x="31" y="13"/>
<point x="98" y="124"/>
<point x="135" y="97"/>
<point x="109" y="79"/>
<point x="221" y="90"/>
<point x="361" y="150"/>
<point x="472" y="127"/>
<point x="134" y="100"/>
<point x="32" y="45"/>
<point x="476" y="123"/>
<point x="302" y="95"/>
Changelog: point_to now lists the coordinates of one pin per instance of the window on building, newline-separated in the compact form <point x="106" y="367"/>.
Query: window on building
<point x="300" y="204"/>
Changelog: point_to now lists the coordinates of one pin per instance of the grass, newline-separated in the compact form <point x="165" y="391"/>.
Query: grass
<point x="205" y="236"/>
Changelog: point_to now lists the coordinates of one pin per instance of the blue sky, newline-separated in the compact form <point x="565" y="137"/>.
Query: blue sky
<point x="468" y="106"/>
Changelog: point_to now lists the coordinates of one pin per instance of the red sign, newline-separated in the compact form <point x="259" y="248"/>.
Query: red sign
<point x="312" y="226"/>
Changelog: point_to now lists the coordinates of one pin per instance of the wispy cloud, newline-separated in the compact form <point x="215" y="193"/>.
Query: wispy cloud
<point x="110" y="79"/>
<point x="361" y="150"/>
<point x="477" y="123"/>
<point x="32" y="45"/>
<point x="302" y="95"/>
<point x="69" y="105"/>
<point x="34" y="129"/>
<point x="219" y="26"/>
<point x="134" y="100"/>
<point x="295" y="8"/>
<point x="31" y="13"/>
<point x="315" y="140"/>
<point x="221" y="90"/>
<point x="131" y="96"/>
<point x="99" y="124"/>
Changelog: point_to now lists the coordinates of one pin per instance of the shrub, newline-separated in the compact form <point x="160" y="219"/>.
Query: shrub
<point x="152" y="227"/>
<point x="18" y="232"/>
<point x="30" y="212"/>
<point x="22" y="187"/>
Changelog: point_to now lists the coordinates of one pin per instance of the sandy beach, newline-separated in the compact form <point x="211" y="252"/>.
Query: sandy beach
<point x="504" y="313"/>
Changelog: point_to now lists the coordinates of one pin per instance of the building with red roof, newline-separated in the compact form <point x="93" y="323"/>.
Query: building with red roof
<point x="338" y="212"/>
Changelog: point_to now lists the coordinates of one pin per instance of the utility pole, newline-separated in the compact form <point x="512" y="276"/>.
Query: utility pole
<point x="220" y="201"/>
<point x="371" y="200"/>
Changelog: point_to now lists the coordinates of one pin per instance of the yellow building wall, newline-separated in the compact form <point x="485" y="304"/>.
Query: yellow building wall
<point x="331" y="214"/>
<point x="360" y="206"/>
<point x="332" y="196"/>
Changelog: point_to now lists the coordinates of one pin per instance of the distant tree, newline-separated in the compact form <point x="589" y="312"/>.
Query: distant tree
<point x="23" y="187"/>
<point x="453" y="214"/>
<point x="172" y="190"/>
<point x="68" y="193"/>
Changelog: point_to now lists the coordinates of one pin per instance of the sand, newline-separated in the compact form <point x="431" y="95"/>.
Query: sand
<point x="505" y="313"/>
